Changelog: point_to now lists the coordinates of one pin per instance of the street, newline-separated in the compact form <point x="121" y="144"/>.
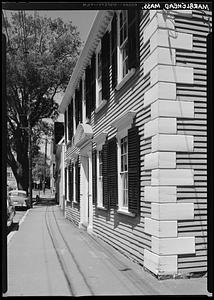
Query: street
<point x="49" y="256"/>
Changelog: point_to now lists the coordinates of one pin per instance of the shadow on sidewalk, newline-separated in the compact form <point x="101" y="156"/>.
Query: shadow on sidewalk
<point x="13" y="227"/>
<point x="44" y="201"/>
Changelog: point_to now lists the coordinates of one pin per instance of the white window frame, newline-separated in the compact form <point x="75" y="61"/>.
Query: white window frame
<point x="122" y="124"/>
<point x="99" y="180"/>
<point x="123" y="174"/>
<point x="120" y="78"/>
<point x="100" y="141"/>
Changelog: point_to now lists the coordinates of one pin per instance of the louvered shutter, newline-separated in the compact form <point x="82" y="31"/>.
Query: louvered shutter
<point x="70" y="182"/>
<point x="133" y="170"/>
<point x="77" y="180"/>
<point x="65" y="118"/>
<point x="93" y="82"/>
<point x="66" y="183"/>
<point x="77" y="107"/>
<point x="70" y="120"/>
<point x="105" y="176"/>
<point x="112" y="173"/>
<point x="94" y="176"/>
<point x="114" y="50"/>
<point x="133" y="38"/>
<point x="105" y="54"/>
<point x="80" y="101"/>
<point x="87" y="94"/>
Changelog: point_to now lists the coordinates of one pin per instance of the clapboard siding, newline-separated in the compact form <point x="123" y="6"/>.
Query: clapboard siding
<point x="198" y="128"/>
<point x="123" y="232"/>
<point x="73" y="213"/>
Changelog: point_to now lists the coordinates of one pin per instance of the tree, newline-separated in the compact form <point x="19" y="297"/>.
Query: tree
<point x="39" y="165"/>
<point x="40" y="56"/>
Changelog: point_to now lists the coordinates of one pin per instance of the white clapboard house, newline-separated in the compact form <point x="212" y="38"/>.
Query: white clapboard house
<point x="134" y="168"/>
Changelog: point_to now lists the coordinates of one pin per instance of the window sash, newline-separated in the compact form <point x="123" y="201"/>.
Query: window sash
<point x="124" y="171"/>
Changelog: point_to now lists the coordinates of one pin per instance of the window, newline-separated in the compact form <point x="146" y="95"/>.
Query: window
<point x="128" y="160"/>
<point x="124" y="171"/>
<point x="123" y="42"/>
<point x="98" y="76"/>
<point x="99" y="169"/>
<point x="103" y="71"/>
<point x="124" y="46"/>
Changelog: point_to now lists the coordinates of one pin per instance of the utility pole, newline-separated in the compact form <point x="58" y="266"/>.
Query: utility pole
<point x="29" y="161"/>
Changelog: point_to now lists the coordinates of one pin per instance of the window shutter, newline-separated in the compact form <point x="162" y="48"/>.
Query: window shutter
<point x="105" y="176"/>
<point x="71" y="182"/>
<point x="133" y="38"/>
<point x="80" y="101"/>
<point x="94" y="176"/>
<point x="105" y="53"/>
<point x="114" y="50"/>
<point x="93" y="82"/>
<point x="66" y="183"/>
<point x="77" y="107"/>
<point x="112" y="173"/>
<point x="70" y="120"/>
<point x="133" y="170"/>
<point x="77" y="180"/>
<point x="65" y="118"/>
<point x="87" y="94"/>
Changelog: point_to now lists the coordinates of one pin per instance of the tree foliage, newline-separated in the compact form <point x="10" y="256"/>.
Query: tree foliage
<point x="40" y="56"/>
<point x="40" y="166"/>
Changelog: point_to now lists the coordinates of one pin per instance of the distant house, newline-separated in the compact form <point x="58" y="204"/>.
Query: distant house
<point x="134" y="161"/>
<point x="11" y="180"/>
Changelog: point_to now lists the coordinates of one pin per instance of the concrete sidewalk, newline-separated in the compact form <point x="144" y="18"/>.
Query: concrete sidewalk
<point x="80" y="264"/>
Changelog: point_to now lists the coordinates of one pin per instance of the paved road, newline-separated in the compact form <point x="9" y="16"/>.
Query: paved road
<point x="49" y="256"/>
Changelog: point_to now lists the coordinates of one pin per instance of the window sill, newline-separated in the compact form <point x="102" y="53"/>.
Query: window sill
<point x="125" y="79"/>
<point x="102" y="104"/>
<point x="101" y="207"/>
<point x="125" y="212"/>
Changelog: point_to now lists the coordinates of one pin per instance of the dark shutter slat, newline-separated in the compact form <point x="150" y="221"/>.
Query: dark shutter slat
<point x="105" y="54"/>
<point x="65" y="182"/>
<point x="80" y="101"/>
<point x="133" y="170"/>
<point x="112" y="173"/>
<point x="70" y="182"/>
<point x="114" y="50"/>
<point x="93" y="82"/>
<point x="65" y="116"/>
<point x="70" y="120"/>
<point x="133" y="38"/>
<point x="77" y="107"/>
<point x="77" y="180"/>
<point x="105" y="176"/>
<point x="87" y="94"/>
<point x="94" y="176"/>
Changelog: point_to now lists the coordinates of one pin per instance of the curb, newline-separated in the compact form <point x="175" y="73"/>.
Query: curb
<point x="11" y="234"/>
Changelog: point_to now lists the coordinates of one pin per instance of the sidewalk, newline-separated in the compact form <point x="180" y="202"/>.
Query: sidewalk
<point x="90" y="266"/>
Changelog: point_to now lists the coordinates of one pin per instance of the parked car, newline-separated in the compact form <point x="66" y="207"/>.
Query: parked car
<point x="19" y="198"/>
<point x="10" y="212"/>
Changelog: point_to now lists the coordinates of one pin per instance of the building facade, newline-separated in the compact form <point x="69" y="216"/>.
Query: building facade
<point x="135" y="137"/>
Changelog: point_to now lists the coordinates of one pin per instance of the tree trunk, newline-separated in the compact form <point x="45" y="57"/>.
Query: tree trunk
<point x="20" y="164"/>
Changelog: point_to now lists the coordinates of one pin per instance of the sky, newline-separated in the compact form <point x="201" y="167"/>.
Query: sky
<point x="83" y="19"/>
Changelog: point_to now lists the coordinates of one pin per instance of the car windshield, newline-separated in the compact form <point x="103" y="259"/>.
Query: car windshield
<point x="18" y="193"/>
